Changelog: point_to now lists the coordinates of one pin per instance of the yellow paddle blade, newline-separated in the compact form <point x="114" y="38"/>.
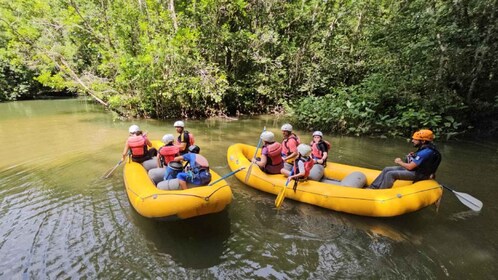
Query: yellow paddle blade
<point x="280" y="198"/>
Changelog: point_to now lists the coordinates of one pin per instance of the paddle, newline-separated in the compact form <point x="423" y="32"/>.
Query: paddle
<point x="294" y="188"/>
<point x="468" y="200"/>
<point x="107" y="174"/>
<point x="255" y="154"/>
<point x="226" y="176"/>
<point x="281" y="195"/>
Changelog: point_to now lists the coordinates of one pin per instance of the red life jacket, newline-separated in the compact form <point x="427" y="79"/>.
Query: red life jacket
<point x="316" y="152"/>
<point x="137" y="145"/>
<point x="308" y="164"/>
<point x="168" y="153"/>
<point x="274" y="153"/>
<point x="285" y="148"/>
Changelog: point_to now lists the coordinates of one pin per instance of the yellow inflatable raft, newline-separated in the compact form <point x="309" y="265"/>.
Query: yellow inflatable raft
<point x="152" y="202"/>
<point x="404" y="197"/>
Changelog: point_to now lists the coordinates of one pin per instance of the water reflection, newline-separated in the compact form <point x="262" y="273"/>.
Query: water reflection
<point x="193" y="243"/>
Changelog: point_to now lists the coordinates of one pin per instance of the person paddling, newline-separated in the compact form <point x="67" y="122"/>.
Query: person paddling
<point x="137" y="147"/>
<point x="302" y="165"/>
<point x="271" y="161"/>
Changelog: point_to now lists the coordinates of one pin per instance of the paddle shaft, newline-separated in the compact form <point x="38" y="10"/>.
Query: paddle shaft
<point x="112" y="170"/>
<point x="255" y="154"/>
<point x="226" y="176"/>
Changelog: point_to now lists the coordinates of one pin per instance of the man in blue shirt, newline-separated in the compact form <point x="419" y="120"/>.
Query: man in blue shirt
<point x="421" y="165"/>
<point x="197" y="171"/>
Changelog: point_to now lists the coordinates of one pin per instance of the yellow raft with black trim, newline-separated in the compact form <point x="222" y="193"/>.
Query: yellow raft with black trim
<point x="404" y="197"/>
<point x="152" y="202"/>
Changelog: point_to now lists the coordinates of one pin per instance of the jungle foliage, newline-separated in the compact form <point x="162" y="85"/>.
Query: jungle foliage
<point x="352" y="67"/>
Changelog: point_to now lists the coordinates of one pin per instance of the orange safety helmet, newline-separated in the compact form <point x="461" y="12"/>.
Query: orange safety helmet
<point x="423" y="134"/>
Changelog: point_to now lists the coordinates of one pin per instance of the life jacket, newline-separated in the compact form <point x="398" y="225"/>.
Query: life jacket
<point x="189" y="140"/>
<point x="274" y="153"/>
<point x="428" y="166"/>
<point x="308" y="164"/>
<point x="168" y="153"/>
<point x="318" y="148"/>
<point x="137" y="145"/>
<point x="285" y="148"/>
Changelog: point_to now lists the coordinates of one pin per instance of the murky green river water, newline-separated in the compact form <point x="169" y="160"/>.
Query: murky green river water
<point x="59" y="219"/>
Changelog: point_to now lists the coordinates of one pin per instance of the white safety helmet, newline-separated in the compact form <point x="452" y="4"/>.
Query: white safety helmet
<point x="286" y="127"/>
<point x="179" y="124"/>
<point x="318" y="133"/>
<point x="168" y="138"/>
<point x="268" y="136"/>
<point x="304" y="150"/>
<point x="134" y="128"/>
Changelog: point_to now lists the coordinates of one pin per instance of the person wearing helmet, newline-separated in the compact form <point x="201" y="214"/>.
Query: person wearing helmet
<point x="137" y="147"/>
<point x="302" y="165"/>
<point x="420" y="165"/>
<point x="271" y="154"/>
<point x="289" y="146"/>
<point x="185" y="138"/>
<point x="319" y="155"/>
<point x="165" y="155"/>
<point x="197" y="170"/>
<point x="319" y="148"/>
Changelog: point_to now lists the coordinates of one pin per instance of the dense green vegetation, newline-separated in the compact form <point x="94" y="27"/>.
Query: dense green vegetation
<point x="353" y="67"/>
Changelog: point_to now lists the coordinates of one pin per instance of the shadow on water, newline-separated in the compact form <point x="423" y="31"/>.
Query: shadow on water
<point x="192" y="243"/>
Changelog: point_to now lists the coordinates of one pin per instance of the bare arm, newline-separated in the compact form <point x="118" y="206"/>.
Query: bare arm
<point x="408" y="166"/>
<point x="125" y="151"/>
<point x="182" y="146"/>
<point x="262" y="162"/>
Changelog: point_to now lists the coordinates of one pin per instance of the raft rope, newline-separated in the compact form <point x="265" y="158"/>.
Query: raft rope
<point x="154" y="196"/>
<point x="371" y="199"/>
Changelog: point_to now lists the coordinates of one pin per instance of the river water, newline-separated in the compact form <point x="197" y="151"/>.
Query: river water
<point x="60" y="219"/>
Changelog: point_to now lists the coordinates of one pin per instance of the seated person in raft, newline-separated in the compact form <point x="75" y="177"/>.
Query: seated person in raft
<point x="137" y="147"/>
<point x="197" y="170"/>
<point x="271" y="161"/>
<point x="421" y="165"/>
<point x="302" y="165"/>
<point x="165" y="155"/>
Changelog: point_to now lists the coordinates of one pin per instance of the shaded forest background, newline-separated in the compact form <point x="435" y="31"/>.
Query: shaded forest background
<point x="349" y="67"/>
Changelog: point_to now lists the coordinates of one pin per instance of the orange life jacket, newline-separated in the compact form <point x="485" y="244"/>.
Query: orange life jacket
<point x="274" y="153"/>
<point x="168" y="153"/>
<point x="137" y="145"/>
<point x="285" y="148"/>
